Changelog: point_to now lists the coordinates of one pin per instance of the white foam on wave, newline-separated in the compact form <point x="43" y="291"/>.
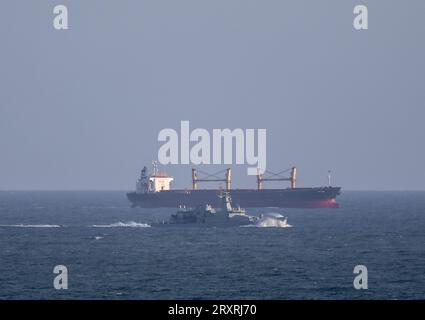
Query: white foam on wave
<point x="271" y="220"/>
<point x="129" y="224"/>
<point x="30" y="225"/>
<point x="271" y="223"/>
<point x="273" y="215"/>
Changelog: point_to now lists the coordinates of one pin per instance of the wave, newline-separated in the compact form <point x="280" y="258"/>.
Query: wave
<point x="273" y="215"/>
<point x="104" y="207"/>
<point x="30" y="225"/>
<point x="129" y="224"/>
<point x="271" y="223"/>
<point x="271" y="220"/>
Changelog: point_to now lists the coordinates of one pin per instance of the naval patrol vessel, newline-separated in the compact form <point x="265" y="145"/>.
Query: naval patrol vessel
<point x="225" y="215"/>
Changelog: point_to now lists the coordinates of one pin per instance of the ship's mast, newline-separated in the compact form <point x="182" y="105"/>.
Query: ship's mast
<point x="278" y="177"/>
<point x="194" y="179"/>
<point x="155" y="167"/>
<point x="212" y="178"/>
<point x="329" y="178"/>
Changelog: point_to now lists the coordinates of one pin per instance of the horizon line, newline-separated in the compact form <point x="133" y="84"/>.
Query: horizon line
<point x="123" y="190"/>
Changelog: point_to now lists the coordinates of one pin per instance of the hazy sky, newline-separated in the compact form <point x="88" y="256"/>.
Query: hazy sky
<point x="82" y="108"/>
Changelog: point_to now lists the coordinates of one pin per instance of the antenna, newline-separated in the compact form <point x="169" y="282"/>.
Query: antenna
<point x="329" y="178"/>
<point x="155" y="167"/>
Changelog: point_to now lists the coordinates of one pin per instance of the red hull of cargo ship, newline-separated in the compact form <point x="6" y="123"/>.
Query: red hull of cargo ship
<point x="321" y="197"/>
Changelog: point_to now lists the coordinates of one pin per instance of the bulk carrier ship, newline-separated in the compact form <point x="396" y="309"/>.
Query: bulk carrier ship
<point x="154" y="191"/>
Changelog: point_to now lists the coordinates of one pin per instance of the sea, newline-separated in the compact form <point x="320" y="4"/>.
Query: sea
<point x="111" y="251"/>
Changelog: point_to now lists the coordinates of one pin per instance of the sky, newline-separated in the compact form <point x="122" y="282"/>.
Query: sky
<point x="81" y="109"/>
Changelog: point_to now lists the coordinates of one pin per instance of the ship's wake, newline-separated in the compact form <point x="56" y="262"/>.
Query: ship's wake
<point x="271" y="220"/>
<point x="129" y="224"/>
<point x="271" y="223"/>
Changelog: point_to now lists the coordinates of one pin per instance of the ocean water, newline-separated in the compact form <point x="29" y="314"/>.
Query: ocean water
<point x="112" y="253"/>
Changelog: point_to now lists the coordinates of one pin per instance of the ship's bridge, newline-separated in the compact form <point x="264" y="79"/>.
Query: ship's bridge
<point x="160" y="182"/>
